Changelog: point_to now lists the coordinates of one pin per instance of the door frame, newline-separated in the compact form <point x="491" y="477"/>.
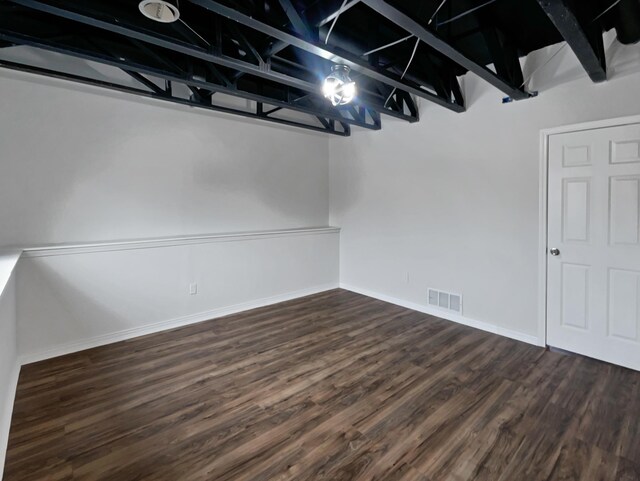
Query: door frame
<point x="543" y="205"/>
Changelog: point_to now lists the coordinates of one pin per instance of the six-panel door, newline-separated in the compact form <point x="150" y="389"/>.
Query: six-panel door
<point x="593" y="285"/>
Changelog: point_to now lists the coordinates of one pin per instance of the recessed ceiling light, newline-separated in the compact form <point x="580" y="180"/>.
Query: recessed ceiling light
<point x="159" y="10"/>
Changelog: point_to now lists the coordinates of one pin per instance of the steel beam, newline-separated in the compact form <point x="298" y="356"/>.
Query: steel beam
<point x="210" y="55"/>
<point x="590" y="52"/>
<point x="328" y="127"/>
<point x="299" y="24"/>
<point x="388" y="111"/>
<point x="505" y="56"/>
<point x="340" y="11"/>
<point x="137" y="70"/>
<point x="324" y="51"/>
<point x="384" y="8"/>
<point x="167" y="42"/>
<point x="146" y="82"/>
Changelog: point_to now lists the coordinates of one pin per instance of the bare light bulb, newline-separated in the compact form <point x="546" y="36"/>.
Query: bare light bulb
<point x="338" y="86"/>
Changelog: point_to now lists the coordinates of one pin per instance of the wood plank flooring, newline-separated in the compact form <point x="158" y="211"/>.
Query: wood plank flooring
<point x="335" y="386"/>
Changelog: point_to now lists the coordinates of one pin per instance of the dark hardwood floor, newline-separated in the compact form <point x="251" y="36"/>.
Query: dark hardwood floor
<point x="335" y="386"/>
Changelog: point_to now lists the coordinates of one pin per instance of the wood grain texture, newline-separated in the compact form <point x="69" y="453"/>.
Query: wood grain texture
<point x="334" y="386"/>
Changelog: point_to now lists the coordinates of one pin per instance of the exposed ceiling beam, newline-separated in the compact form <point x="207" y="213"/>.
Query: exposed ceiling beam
<point x="328" y="126"/>
<point x="504" y="54"/>
<point x="588" y="47"/>
<point x="145" y="81"/>
<point x="339" y="11"/>
<point x="396" y="103"/>
<point x="327" y="53"/>
<point x="387" y="10"/>
<point x="67" y="10"/>
<point x="279" y="45"/>
<point x="299" y="23"/>
<point x="137" y="70"/>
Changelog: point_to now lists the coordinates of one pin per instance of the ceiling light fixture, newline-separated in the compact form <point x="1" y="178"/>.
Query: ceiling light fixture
<point x="160" y="10"/>
<point x="338" y="86"/>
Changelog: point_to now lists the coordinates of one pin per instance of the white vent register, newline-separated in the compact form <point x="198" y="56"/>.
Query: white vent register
<point x="445" y="300"/>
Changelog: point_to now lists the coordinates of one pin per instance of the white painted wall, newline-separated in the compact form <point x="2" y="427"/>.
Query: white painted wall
<point x="9" y="367"/>
<point x="81" y="164"/>
<point x="82" y="299"/>
<point x="452" y="201"/>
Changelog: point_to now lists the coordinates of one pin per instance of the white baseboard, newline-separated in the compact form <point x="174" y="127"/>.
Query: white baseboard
<point x="484" y="326"/>
<point x="110" y="338"/>
<point x="5" y="420"/>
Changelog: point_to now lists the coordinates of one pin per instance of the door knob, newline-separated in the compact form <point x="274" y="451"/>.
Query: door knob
<point x="554" y="252"/>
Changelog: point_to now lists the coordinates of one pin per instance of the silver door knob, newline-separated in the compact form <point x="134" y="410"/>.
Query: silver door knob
<point x="554" y="252"/>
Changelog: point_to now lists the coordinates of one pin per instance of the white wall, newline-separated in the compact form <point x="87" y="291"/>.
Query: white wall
<point x="81" y="164"/>
<point x="452" y="201"/>
<point x="69" y="301"/>
<point x="8" y="348"/>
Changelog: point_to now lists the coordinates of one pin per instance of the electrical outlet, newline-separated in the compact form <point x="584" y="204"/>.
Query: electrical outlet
<point x="193" y="289"/>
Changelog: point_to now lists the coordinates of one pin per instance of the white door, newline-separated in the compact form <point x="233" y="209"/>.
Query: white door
<point x="593" y="259"/>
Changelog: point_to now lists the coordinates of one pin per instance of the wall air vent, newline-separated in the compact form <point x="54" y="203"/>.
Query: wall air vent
<point x="445" y="300"/>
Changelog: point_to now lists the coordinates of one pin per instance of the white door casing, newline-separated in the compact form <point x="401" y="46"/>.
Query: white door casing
<point x="593" y="284"/>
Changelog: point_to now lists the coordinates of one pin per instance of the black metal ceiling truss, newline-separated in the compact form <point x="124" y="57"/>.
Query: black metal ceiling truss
<point x="276" y="53"/>
<point x="141" y="62"/>
<point x="203" y="101"/>
<point x="584" y="37"/>
<point x="500" y="80"/>
<point x="306" y="40"/>
<point x="215" y="53"/>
